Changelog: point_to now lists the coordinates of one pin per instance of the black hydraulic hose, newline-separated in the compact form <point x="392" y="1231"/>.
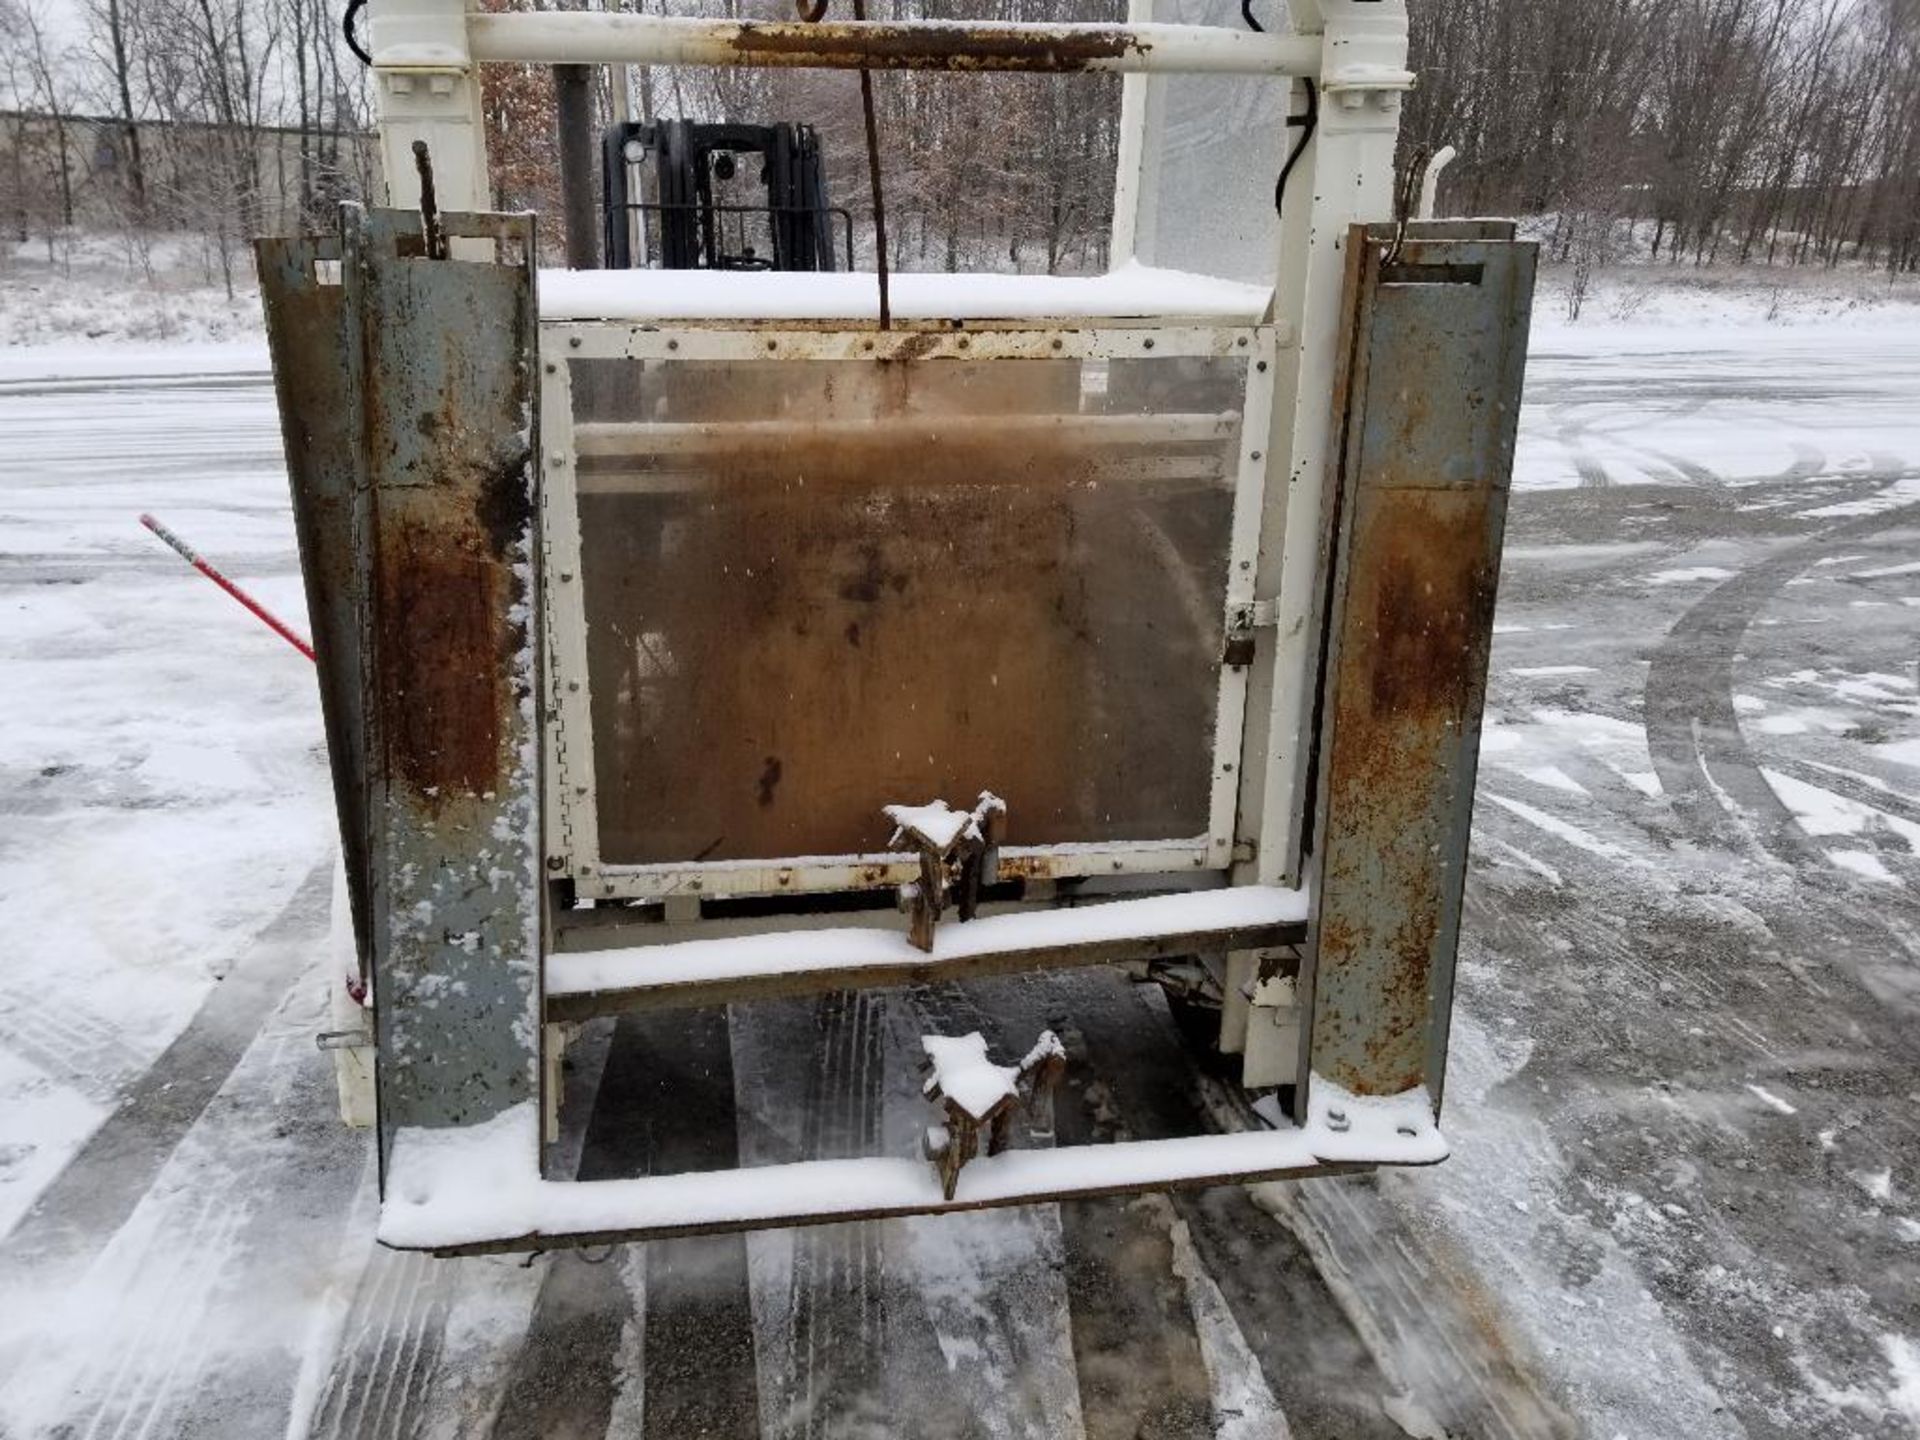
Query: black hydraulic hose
<point x="354" y="7"/>
<point x="1307" y="123"/>
<point x="1246" y="14"/>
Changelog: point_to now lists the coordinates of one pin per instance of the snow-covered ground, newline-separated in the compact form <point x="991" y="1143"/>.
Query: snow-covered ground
<point x="1685" y="1195"/>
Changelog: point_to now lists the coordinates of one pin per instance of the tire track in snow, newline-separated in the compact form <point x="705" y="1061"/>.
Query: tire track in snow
<point x="68" y="1042"/>
<point x="381" y="1382"/>
<point x="1133" y="1078"/>
<point x="842" y="1329"/>
<point x="579" y="1361"/>
<point x="190" y="1319"/>
<point x="1720" y="794"/>
<point x="1693" y="729"/>
<point x="839" y="1321"/>
<point x="698" y="1362"/>
<point x="93" y="1196"/>
<point x="992" y="1282"/>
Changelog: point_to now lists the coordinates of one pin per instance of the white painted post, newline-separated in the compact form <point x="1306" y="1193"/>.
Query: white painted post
<point x="1346" y="176"/>
<point x="1133" y="151"/>
<point x="426" y="88"/>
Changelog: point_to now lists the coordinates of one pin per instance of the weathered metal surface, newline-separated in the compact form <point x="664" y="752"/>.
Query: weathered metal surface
<point x="307" y="334"/>
<point x="1078" y="338"/>
<point x="531" y="38"/>
<point x="931" y="970"/>
<point x="442" y="416"/>
<point x="947" y="47"/>
<point x="943" y="580"/>
<point x="1425" y="410"/>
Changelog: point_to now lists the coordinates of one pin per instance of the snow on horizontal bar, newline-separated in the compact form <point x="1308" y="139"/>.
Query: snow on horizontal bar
<point x="1132" y="291"/>
<point x="474" y="1184"/>
<point x="795" y="951"/>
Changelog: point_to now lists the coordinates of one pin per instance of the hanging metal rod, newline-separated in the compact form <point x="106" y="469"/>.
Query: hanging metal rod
<point x="597" y="37"/>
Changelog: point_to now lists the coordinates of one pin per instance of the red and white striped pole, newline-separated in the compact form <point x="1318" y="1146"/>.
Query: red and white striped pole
<point x="192" y="557"/>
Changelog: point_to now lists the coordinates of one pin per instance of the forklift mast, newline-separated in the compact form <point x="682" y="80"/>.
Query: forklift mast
<point x="687" y="225"/>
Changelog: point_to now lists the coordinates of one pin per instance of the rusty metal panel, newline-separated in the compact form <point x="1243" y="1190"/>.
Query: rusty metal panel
<point x="307" y="334"/>
<point x="442" y="396"/>
<point x="1426" y="408"/>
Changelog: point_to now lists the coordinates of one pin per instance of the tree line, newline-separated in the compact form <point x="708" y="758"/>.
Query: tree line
<point x="1746" y="131"/>
<point x="1775" y="131"/>
<point x="222" y="118"/>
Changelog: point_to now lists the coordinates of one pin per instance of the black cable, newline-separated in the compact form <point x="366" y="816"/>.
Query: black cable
<point x="873" y="180"/>
<point x="354" y="7"/>
<point x="1246" y="14"/>
<point x="1307" y="124"/>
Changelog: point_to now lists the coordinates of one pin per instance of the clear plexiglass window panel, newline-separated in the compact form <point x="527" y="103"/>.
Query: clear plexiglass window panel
<point x="814" y="588"/>
<point x="1206" y="198"/>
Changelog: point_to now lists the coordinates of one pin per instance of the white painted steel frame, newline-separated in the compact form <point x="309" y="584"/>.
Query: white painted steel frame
<point x="1345" y="176"/>
<point x="571" y="791"/>
<point x="427" y="88"/>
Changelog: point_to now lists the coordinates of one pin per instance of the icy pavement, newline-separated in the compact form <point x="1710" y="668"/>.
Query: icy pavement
<point x="1686" y="1062"/>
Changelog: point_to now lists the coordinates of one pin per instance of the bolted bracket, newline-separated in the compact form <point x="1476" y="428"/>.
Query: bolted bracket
<point x="975" y="1095"/>
<point x="959" y="852"/>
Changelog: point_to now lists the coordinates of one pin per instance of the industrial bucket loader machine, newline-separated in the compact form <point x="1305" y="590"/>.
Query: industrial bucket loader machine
<point x="699" y="637"/>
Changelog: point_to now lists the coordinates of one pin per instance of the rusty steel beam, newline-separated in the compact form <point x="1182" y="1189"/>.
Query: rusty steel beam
<point x="582" y="38"/>
<point x="1425" y="408"/>
<point x="307" y="335"/>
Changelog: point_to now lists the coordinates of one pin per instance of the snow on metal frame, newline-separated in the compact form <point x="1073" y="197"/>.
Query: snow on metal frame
<point x="477" y="1188"/>
<point x="848" y="948"/>
<point x="1129" y="291"/>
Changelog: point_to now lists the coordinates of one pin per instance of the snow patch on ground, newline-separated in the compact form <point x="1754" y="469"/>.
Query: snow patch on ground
<point x="96" y="290"/>
<point x="1603" y="1338"/>
<point x="1863" y="863"/>
<point x="1901" y="492"/>
<point x="1559" y="829"/>
<point x="1689" y="576"/>
<point x="42" y="1124"/>
<point x="1821" y="812"/>
<point x="1903" y="1358"/>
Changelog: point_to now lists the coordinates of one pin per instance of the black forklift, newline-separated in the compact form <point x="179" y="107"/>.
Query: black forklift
<point x="699" y="210"/>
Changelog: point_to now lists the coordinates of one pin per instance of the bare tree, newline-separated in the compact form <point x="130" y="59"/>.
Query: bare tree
<point x="110" y="44"/>
<point x="38" y="76"/>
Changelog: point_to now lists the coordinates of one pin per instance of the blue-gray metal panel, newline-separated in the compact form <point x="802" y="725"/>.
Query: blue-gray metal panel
<point x="443" y="410"/>
<point x="1427" y="407"/>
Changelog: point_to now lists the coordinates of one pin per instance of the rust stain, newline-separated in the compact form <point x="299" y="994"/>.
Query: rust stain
<point x="1430" y="613"/>
<point x="952" y="47"/>
<point x="1413" y="654"/>
<point x="447" y="539"/>
<point x="443" y="657"/>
